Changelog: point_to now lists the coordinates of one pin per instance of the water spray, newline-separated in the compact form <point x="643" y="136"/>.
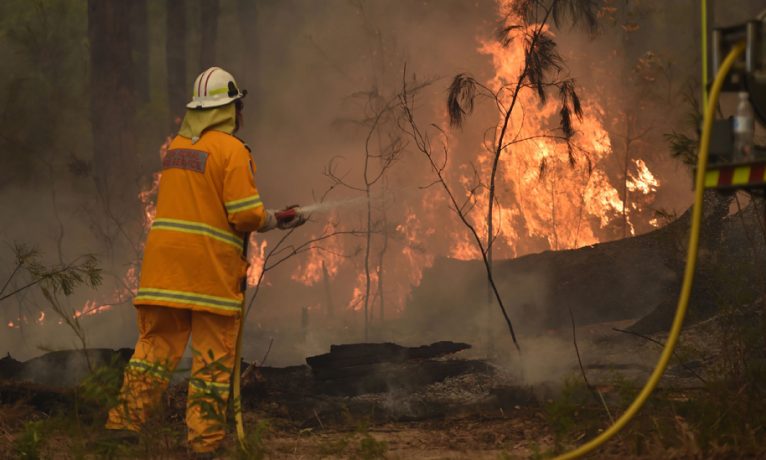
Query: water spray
<point x="290" y="212"/>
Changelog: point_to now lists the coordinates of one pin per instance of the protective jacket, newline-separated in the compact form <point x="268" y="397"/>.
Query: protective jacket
<point x="207" y="202"/>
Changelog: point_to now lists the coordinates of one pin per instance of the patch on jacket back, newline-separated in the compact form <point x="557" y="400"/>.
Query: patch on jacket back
<point x="193" y="160"/>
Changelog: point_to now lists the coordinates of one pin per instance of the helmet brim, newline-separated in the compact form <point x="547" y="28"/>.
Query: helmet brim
<point x="213" y="103"/>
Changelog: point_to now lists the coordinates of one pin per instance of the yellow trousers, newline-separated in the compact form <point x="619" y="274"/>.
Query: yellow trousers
<point x="163" y="335"/>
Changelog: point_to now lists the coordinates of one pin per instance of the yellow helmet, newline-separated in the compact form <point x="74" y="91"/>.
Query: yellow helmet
<point x="213" y="88"/>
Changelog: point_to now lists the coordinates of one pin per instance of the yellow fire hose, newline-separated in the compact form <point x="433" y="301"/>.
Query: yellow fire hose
<point x="703" y="41"/>
<point x="237" y="377"/>
<point x="236" y="384"/>
<point x="691" y="262"/>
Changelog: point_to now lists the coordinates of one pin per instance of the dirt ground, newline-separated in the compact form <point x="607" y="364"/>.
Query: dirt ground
<point x="479" y="415"/>
<point x="518" y="435"/>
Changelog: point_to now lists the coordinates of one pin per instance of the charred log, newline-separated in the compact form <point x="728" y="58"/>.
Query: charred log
<point x="9" y="367"/>
<point x="408" y="393"/>
<point x="354" y="369"/>
<point x="386" y="377"/>
<point x="43" y="398"/>
<point x="371" y="353"/>
<point x="62" y="369"/>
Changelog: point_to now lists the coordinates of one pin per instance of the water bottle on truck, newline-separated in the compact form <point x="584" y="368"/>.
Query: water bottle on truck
<point x="744" y="128"/>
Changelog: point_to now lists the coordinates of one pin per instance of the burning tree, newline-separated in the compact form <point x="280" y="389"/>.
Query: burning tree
<point x="525" y="37"/>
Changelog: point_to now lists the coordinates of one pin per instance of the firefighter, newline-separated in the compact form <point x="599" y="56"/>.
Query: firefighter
<point x="193" y="266"/>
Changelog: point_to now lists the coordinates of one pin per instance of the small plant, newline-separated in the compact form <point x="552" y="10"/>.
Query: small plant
<point x="370" y="448"/>
<point x="565" y="413"/>
<point x="102" y="386"/>
<point x="536" y="454"/>
<point x="28" y="445"/>
<point x="255" y="446"/>
<point x="625" y="389"/>
<point x="334" y="447"/>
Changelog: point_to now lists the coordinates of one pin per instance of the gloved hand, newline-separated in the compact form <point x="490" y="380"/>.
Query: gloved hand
<point x="269" y="221"/>
<point x="290" y="218"/>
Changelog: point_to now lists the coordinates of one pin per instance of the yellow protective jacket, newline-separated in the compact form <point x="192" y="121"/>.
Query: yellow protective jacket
<point x="207" y="202"/>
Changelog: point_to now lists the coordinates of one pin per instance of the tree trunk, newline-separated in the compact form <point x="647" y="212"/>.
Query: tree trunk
<point x="367" y="249"/>
<point x="175" y="43"/>
<point x="330" y="306"/>
<point x="209" y="22"/>
<point x="139" y="37"/>
<point x="381" y="259"/>
<point x="248" y="18"/>
<point x="112" y="90"/>
<point x="625" y="177"/>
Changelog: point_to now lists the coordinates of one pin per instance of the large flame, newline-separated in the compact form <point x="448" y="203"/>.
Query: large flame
<point x="541" y="194"/>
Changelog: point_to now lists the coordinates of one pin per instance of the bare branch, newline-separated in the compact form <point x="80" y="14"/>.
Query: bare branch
<point x="422" y="142"/>
<point x="594" y="391"/>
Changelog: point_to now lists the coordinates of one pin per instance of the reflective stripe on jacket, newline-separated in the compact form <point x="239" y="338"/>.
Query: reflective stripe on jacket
<point x="207" y="202"/>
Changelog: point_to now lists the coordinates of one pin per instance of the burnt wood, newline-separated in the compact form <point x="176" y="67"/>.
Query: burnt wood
<point x="9" y="367"/>
<point x="385" y="377"/>
<point x="358" y="354"/>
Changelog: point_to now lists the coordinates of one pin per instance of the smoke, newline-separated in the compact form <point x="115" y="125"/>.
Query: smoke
<point x="317" y="74"/>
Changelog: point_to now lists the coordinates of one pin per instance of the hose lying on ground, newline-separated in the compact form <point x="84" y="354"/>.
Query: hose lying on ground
<point x="691" y="262"/>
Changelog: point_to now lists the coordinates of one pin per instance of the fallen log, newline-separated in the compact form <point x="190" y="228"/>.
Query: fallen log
<point x="388" y="377"/>
<point x="43" y="398"/>
<point x="64" y="368"/>
<point x="371" y="353"/>
<point x="360" y="368"/>
<point x="9" y="367"/>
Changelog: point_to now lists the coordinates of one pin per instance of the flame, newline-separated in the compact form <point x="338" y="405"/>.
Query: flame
<point x="602" y="200"/>
<point x="465" y="250"/>
<point x="148" y="196"/>
<point x="325" y="258"/>
<point x="543" y="193"/>
<point x="91" y="308"/>
<point x="256" y="260"/>
<point x="148" y="199"/>
<point x="415" y="230"/>
<point x="643" y="180"/>
<point x="357" y="295"/>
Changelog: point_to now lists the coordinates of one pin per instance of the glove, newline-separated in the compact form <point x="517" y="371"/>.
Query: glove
<point x="290" y="218"/>
<point x="269" y="221"/>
